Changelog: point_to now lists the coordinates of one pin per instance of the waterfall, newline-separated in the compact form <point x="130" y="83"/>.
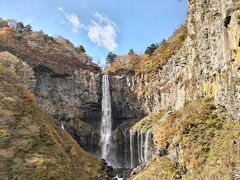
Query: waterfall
<point x="147" y="146"/>
<point x="139" y="147"/>
<point x="131" y="148"/>
<point x="62" y="125"/>
<point x="92" y="139"/>
<point x="143" y="147"/>
<point x="125" y="148"/>
<point x="106" y="126"/>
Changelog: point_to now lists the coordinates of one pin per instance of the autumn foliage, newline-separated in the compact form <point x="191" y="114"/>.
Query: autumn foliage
<point x="153" y="59"/>
<point x="6" y="31"/>
<point x="37" y="48"/>
<point x="28" y="96"/>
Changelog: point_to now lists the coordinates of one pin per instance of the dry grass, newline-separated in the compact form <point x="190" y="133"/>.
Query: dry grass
<point x="158" y="169"/>
<point x="148" y="122"/>
<point x="208" y="138"/>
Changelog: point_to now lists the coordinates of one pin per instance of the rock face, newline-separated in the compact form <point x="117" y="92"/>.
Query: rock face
<point x="67" y="96"/>
<point x="75" y="100"/>
<point x="125" y="104"/>
<point x="208" y="65"/>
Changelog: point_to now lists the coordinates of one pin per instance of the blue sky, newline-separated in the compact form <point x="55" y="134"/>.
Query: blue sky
<point x="101" y="26"/>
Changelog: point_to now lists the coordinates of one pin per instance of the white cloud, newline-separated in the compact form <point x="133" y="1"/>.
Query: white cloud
<point x="72" y="20"/>
<point x="103" y="32"/>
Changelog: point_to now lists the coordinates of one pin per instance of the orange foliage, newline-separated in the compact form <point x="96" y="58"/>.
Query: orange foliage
<point x="6" y="31"/>
<point x="28" y="96"/>
<point x="142" y="64"/>
<point x="38" y="48"/>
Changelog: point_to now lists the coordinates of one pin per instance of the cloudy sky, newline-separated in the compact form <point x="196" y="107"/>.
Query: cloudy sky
<point x="101" y="26"/>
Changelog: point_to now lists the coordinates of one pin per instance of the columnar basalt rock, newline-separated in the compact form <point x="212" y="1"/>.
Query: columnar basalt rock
<point x="206" y="66"/>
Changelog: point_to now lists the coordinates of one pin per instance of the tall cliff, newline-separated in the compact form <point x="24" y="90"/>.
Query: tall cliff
<point x="67" y="82"/>
<point x="207" y="65"/>
<point x="189" y="89"/>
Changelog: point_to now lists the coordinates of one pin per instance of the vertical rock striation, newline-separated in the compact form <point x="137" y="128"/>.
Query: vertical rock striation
<point x="208" y="65"/>
<point x="68" y="96"/>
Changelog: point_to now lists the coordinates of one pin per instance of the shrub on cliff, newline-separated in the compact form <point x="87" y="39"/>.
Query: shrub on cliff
<point x="201" y="141"/>
<point x="111" y="57"/>
<point x="3" y="23"/>
<point x="80" y="49"/>
<point x="28" y="96"/>
<point x="150" y="50"/>
<point x="154" y="58"/>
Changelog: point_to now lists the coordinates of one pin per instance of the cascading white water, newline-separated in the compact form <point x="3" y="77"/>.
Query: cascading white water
<point x="106" y="126"/>
<point x="131" y="148"/>
<point x="62" y="125"/>
<point x="147" y="146"/>
<point x="125" y="148"/>
<point x="139" y="147"/>
<point x="143" y="145"/>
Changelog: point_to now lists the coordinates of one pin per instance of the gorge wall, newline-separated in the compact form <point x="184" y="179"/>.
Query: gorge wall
<point x="67" y="83"/>
<point x="206" y="66"/>
<point x="75" y="100"/>
<point x="68" y="96"/>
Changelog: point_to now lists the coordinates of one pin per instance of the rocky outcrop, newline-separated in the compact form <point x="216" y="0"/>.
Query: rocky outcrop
<point x="68" y="96"/>
<point x="124" y="101"/>
<point x="75" y="100"/>
<point x="206" y="66"/>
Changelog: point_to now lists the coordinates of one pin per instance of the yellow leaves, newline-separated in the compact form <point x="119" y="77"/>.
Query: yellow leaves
<point x="210" y="89"/>
<point x="2" y="69"/>
<point x="36" y="160"/>
<point x="4" y="133"/>
<point x="6" y="31"/>
<point x="238" y="55"/>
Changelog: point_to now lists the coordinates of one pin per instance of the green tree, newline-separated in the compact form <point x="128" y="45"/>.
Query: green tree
<point x="111" y="57"/>
<point x="80" y="49"/>
<point x="28" y="28"/>
<point x="20" y="25"/>
<point x="131" y="52"/>
<point x="3" y="23"/>
<point x="150" y="50"/>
